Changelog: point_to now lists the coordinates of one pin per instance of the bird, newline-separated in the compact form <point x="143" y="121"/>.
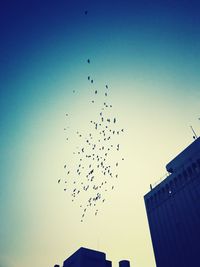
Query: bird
<point x="86" y="12"/>
<point x="88" y="61"/>
<point x="59" y="180"/>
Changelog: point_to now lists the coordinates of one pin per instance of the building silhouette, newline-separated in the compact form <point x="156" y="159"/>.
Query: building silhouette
<point x="85" y="257"/>
<point x="173" y="211"/>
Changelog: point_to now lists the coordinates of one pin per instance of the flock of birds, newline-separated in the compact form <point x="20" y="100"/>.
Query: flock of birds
<point x="97" y="156"/>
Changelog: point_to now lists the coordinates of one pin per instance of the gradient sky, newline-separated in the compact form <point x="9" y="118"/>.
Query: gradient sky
<point x="148" y="52"/>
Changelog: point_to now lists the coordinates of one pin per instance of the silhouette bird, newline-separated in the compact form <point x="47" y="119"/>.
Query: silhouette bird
<point x="88" y="61"/>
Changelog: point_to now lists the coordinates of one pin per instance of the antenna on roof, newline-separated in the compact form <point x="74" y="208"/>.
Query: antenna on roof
<point x="195" y="135"/>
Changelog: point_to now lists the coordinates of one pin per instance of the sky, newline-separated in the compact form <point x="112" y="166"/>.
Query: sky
<point x="148" y="53"/>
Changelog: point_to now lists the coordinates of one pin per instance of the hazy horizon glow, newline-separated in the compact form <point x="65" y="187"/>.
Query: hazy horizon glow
<point x="148" y="54"/>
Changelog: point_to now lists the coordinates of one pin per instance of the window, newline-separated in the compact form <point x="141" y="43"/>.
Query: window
<point x="189" y="171"/>
<point x="194" y="167"/>
<point x="180" y="179"/>
<point x="185" y="175"/>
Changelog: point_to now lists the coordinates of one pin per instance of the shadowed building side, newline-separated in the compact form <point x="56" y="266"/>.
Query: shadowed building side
<point x="85" y="257"/>
<point x="173" y="211"/>
<point x="124" y="263"/>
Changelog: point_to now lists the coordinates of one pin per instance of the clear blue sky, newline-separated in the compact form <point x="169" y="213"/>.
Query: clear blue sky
<point x="149" y="54"/>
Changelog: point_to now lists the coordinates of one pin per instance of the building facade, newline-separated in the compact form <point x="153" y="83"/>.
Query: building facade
<point x="85" y="257"/>
<point x="173" y="211"/>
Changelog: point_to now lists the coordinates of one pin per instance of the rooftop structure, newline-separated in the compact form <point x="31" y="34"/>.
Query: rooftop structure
<point x="85" y="257"/>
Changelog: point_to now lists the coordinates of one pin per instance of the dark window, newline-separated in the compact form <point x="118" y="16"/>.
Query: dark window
<point x="198" y="162"/>
<point x="189" y="170"/>
<point x="180" y="179"/>
<point x="185" y="175"/>
<point x="194" y="167"/>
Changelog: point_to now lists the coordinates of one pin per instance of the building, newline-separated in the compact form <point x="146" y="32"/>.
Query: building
<point x="85" y="257"/>
<point x="173" y="211"/>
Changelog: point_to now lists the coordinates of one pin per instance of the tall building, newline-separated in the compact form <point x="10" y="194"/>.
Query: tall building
<point x="85" y="257"/>
<point x="173" y="211"/>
